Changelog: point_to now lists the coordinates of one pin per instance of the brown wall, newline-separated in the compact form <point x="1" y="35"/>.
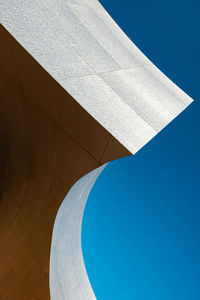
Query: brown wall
<point x="47" y="142"/>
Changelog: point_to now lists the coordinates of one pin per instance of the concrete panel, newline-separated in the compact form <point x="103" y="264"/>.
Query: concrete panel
<point x="81" y="45"/>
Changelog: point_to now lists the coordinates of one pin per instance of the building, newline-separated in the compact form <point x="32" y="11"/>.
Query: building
<point x="75" y="93"/>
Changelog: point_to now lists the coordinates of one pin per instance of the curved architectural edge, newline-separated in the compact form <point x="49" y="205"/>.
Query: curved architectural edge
<point x="84" y="50"/>
<point x="68" y="276"/>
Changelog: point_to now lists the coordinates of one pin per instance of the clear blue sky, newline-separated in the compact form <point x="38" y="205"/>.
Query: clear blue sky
<point x="141" y="227"/>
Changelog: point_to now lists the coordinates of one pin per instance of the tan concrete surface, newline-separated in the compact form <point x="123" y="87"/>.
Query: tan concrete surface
<point x="47" y="142"/>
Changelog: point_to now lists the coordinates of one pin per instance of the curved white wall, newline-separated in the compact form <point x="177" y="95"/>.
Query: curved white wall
<point x="68" y="277"/>
<point x="80" y="45"/>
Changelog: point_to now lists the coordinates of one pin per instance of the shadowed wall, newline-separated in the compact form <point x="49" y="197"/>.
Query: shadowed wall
<point x="48" y="141"/>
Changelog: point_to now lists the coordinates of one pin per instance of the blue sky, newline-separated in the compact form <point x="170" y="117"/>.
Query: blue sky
<point x="141" y="227"/>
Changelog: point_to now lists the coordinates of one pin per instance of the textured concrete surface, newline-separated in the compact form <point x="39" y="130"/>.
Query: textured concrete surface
<point x="80" y="45"/>
<point x="75" y="93"/>
<point x="68" y="276"/>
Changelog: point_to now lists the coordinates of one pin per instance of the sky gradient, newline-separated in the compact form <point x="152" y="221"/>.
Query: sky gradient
<point x="141" y="227"/>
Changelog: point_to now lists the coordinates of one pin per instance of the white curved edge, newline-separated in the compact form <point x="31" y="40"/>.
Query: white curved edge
<point x="68" y="276"/>
<point x="81" y="47"/>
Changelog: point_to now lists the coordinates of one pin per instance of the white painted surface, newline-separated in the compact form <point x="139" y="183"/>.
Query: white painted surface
<point x="68" y="277"/>
<point x="80" y="45"/>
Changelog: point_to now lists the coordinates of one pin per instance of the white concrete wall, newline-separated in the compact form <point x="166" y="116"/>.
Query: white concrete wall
<point x="80" y="45"/>
<point x="68" y="276"/>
